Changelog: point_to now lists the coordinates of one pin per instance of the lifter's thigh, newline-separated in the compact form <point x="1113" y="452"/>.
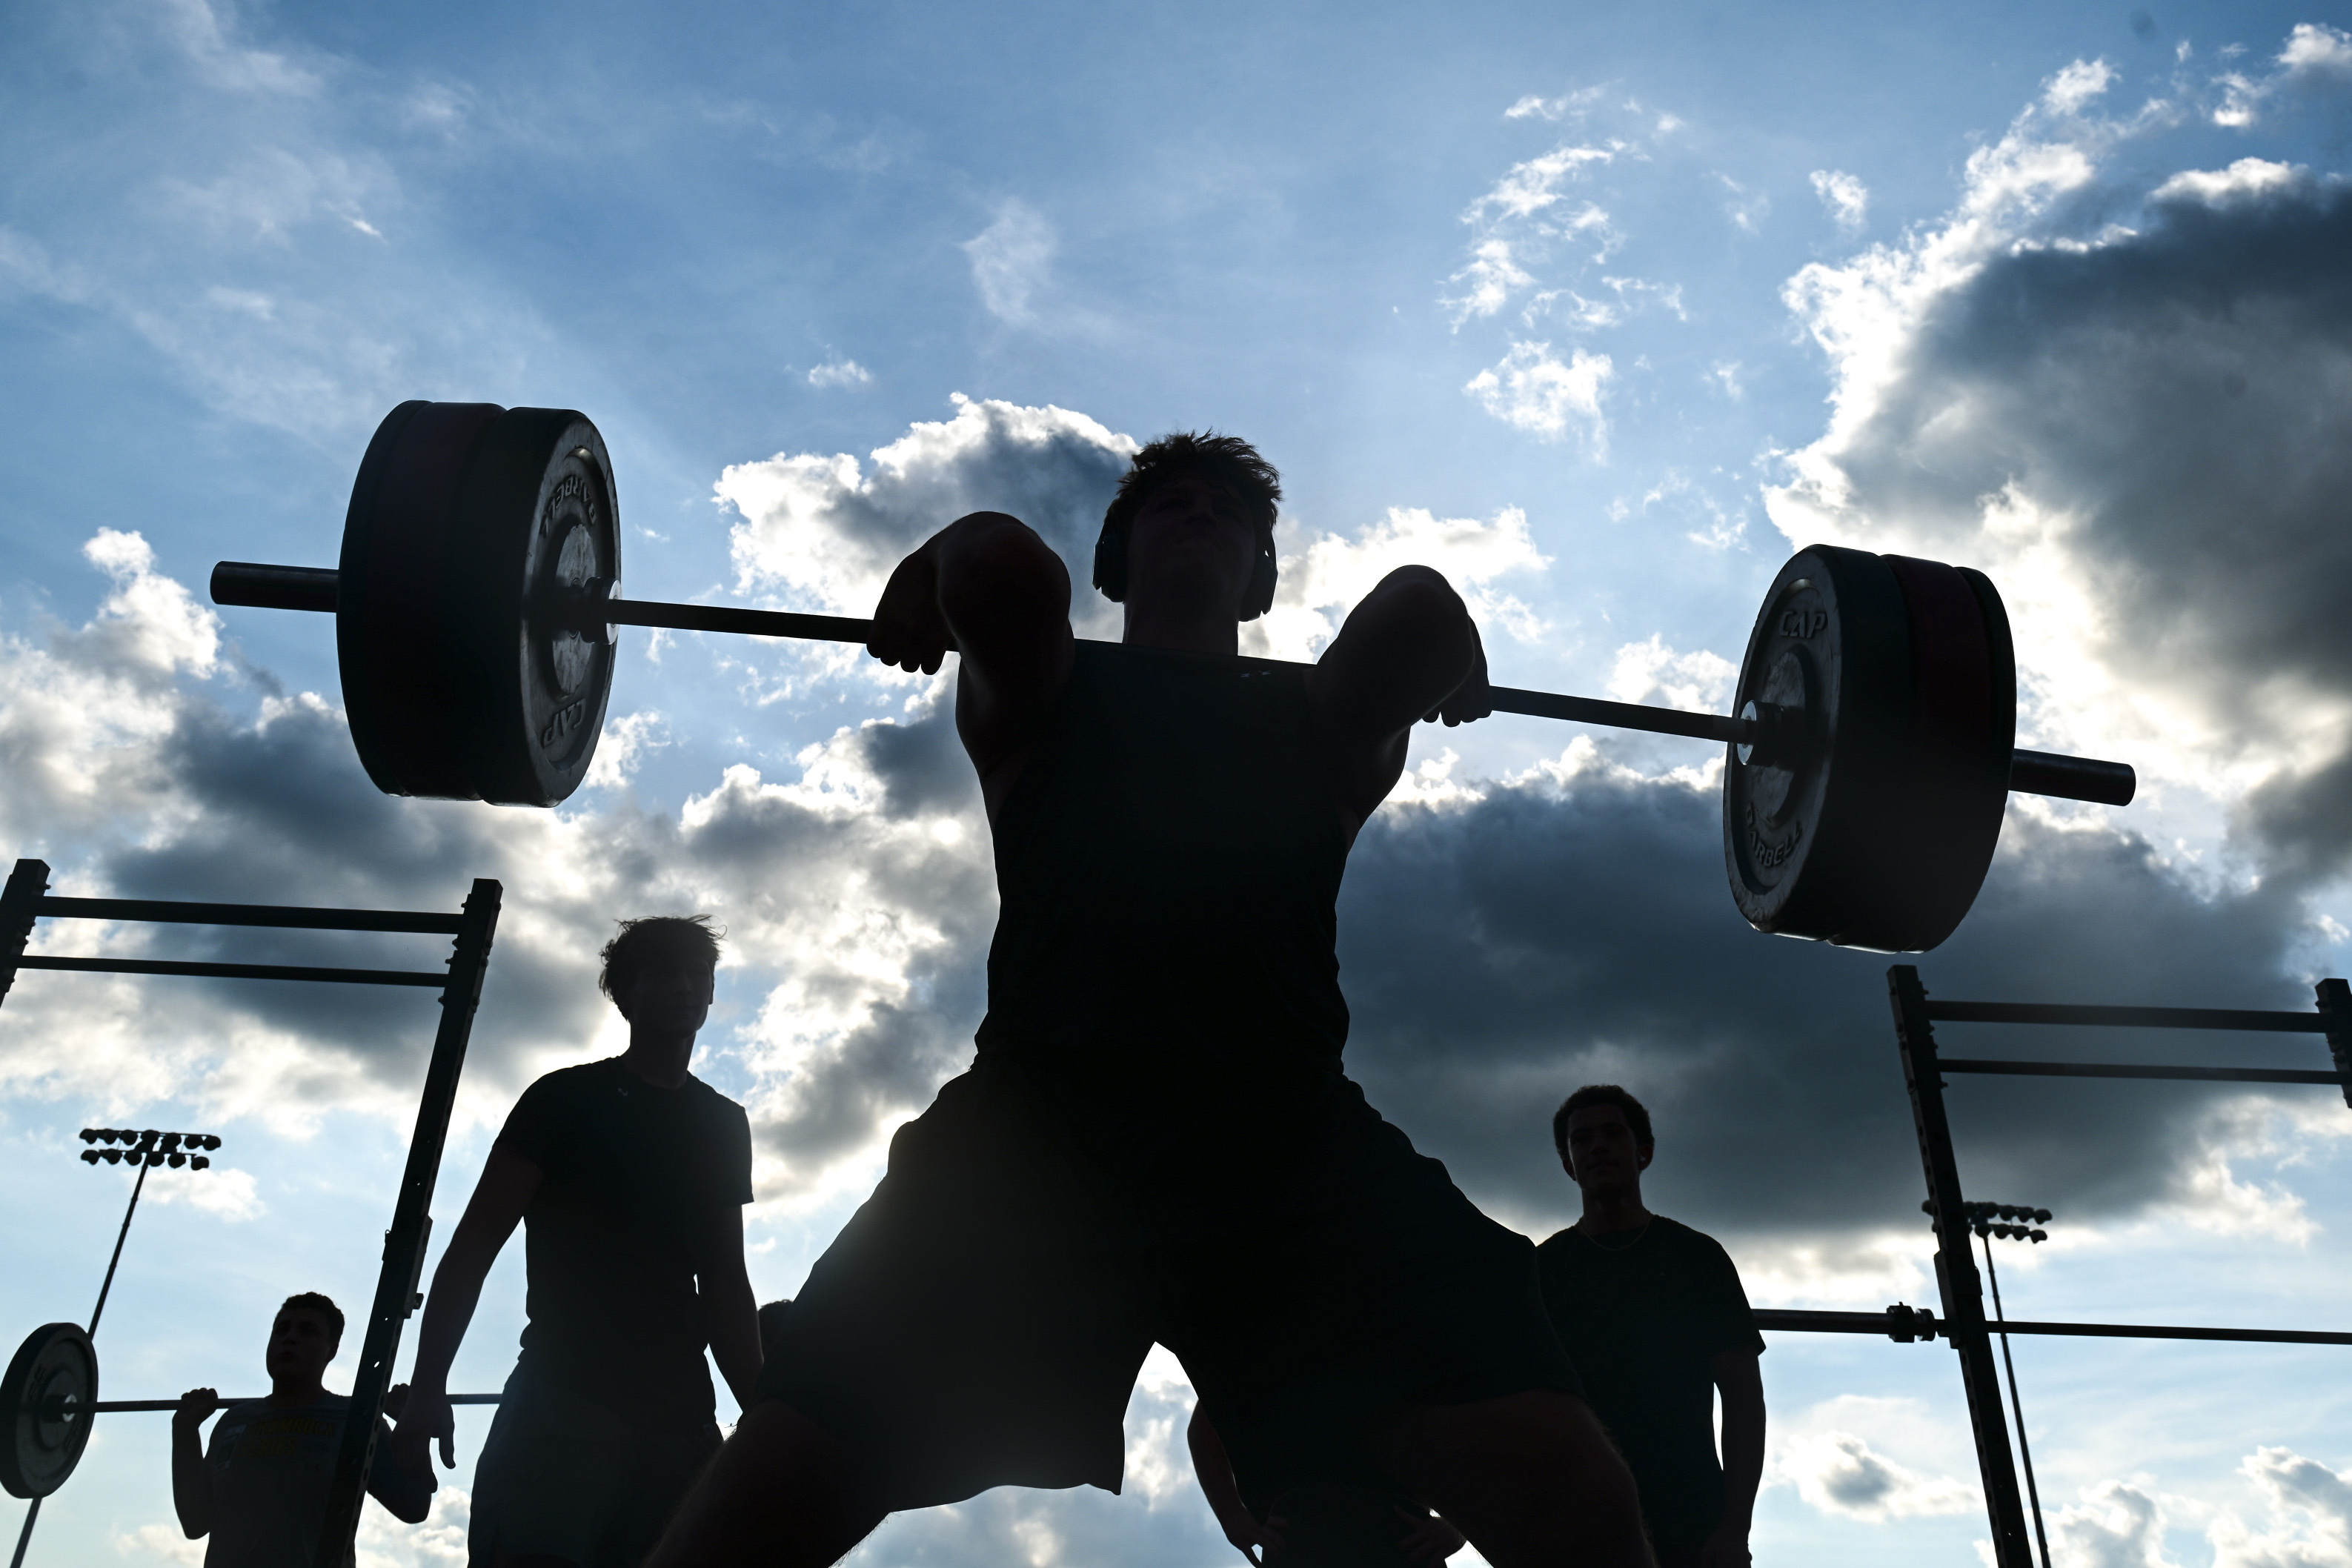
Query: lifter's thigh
<point x="1529" y="1477"/>
<point x="781" y="1493"/>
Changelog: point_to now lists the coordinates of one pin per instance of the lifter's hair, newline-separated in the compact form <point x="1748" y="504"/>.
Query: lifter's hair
<point x="657" y="938"/>
<point x="1227" y="461"/>
<point x="1636" y="1117"/>
<point x="311" y="1301"/>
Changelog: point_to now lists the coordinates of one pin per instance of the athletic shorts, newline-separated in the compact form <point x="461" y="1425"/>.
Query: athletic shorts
<point x="981" y="1319"/>
<point x="561" y="1476"/>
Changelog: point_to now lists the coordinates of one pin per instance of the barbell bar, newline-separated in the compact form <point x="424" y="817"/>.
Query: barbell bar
<point x="251" y="583"/>
<point x="48" y="1398"/>
<point x="477" y="605"/>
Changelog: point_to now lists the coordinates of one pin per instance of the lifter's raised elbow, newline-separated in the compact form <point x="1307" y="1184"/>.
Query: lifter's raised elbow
<point x="992" y="567"/>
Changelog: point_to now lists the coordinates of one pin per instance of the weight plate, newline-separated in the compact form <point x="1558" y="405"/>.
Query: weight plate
<point x="394" y="619"/>
<point x="540" y="521"/>
<point x="44" y="1409"/>
<point x="466" y="523"/>
<point x="1869" y="816"/>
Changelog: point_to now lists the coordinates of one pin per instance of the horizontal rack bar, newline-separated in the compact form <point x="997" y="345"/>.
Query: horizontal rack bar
<point x="2119" y="1070"/>
<point x="287" y="916"/>
<point x="2126" y="1017"/>
<point x="1880" y="1323"/>
<point x="131" y="1406"/>
<point x="235" y="971"/>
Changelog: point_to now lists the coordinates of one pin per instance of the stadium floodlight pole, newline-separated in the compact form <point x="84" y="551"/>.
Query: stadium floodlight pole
<point x="1986" y="1231"/>
<point x="147" y="1150"/>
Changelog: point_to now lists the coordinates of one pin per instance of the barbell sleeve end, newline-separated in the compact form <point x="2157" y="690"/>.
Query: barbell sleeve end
<point x="264" y="587"/>
<point x="2071" y="778"/>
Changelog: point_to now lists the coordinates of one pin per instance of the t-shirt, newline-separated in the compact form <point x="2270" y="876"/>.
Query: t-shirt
<point x="1642" y="1320"/>
<point x="630" y="1173"/>
<point x="268" y="1469"/>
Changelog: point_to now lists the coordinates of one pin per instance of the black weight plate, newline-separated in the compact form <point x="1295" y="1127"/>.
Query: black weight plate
<point x="539" y="520"/>
<point x="45" y="1409"/>
<point x="1964" y="679"/>
<point x="394" y="619"/>
<point x="1872" y="825"/>
<point x="1806" y="826"/>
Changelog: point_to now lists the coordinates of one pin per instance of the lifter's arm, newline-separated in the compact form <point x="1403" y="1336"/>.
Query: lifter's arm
<point x="1409" y="651"/>
<point x="989" y="588"/>
<point x="1740" y="1384"/>
<point x="507" y="1184"/>
<point x="1258" y="1540"/>
<point x="192" y="1492"/>
<point x="729" y="1308"/>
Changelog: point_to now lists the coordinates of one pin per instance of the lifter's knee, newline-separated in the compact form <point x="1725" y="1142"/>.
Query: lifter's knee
<point x="782" y="1491"/>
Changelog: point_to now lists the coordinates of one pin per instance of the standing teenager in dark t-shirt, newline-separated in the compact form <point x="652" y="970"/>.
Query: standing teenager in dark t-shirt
<point x="1654" y="1314"/>
<point x="630" y="1175"/>
<point x="1156" y="1140"/>
<point x="260" y="1493"/>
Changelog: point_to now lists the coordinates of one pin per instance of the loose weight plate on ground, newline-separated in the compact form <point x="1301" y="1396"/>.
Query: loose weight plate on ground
<point x="45" y="1413"/>
<point x="469" y="527"/>
<point x="1866" y="811"/>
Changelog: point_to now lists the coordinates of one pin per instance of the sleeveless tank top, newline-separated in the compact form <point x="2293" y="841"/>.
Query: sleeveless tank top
<point x="1169" y="864"/>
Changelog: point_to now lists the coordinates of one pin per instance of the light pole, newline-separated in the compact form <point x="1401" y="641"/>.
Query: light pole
<point x="2013" y="1222"/>
<point x="146" y="1150"/>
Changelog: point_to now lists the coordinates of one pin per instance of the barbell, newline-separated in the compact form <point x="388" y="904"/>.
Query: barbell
<point x="49" y="1398"/>
<point x="477" y="602"/>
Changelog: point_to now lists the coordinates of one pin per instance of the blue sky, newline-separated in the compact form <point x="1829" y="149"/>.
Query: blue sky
<point x="1602" y="313"/>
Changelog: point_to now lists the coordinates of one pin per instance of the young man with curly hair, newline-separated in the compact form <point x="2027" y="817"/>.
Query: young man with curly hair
<point x="630" y="1175"/>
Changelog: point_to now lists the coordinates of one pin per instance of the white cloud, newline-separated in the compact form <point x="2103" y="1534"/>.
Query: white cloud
<point x="2117" y="1525"/>
<point x="1847" y="198"/>
<point x="1534" y="106"/>
<point x="1698" y="682"/>
<point x="2077" y="85"/>
<point x="2310" y="1509"/>
<point x="1492" y="275"/>
<point x="1840" y="1473"/>
<point x="1319" y="583"/>
<point x="2248" y="177"/>
<point x="1010" y="260"/>
<point x="1531" y="186"/>
<point x="2318" y="49"/>
<point x="840" y="373"/>
<point x="830" y="530"/>
<point x="1532" y="390"/>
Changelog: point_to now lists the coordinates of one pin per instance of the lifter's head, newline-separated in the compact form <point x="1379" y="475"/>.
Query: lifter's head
<point x="1603" y="1136"/>
<point x="302" y="1339"/>
<point x="1194" y="514"/>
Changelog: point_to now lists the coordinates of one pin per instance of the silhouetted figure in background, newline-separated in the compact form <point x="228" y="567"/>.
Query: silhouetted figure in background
<point x="1365" y="1521"/>
<point x="1156" y="1140"/>
<point x="630" y="1175"/>
<point x="261" y="1491"/>
<point x="1655" y="1315"/>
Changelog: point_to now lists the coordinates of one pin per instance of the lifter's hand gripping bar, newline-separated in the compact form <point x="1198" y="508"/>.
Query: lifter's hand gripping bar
<point x="312" y="588"/>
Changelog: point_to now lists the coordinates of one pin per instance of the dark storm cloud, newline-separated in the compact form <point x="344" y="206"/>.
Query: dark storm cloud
<point x="1498" y="955"/>
<point x="2184" y="393"/>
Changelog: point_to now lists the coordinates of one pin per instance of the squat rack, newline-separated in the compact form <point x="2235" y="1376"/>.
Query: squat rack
<point x="1963" y="1324"/>
<point x="26" y="898"/>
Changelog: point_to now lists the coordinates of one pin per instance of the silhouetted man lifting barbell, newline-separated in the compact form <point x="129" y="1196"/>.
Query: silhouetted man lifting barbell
<point x="260" y="1493"/>
<point x="1156" y="1141"/>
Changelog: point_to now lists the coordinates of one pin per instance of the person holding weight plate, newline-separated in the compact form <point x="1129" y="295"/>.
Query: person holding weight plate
<point x="1156" y="1141"/>
<point x="260" y="1493"/>
<point x="629" y="1174"/>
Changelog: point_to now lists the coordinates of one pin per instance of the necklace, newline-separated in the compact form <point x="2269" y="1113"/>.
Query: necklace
<point x="1634" y="1236"/>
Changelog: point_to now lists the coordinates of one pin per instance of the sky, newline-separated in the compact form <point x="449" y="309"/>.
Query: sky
<point x="1602" y="313"/>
